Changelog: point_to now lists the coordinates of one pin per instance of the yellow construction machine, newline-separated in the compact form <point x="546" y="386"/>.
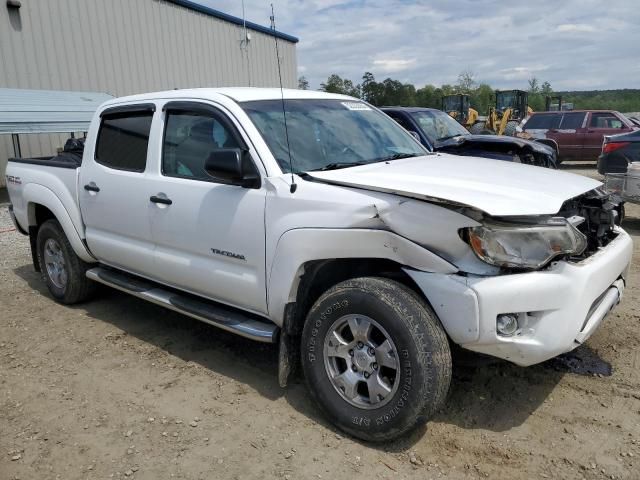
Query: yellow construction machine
<point x="457" y="106"/>
<point x="511" y="107"/>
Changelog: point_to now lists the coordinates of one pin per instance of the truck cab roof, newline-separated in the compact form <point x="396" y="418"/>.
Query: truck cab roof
<point x="238" y="94"/>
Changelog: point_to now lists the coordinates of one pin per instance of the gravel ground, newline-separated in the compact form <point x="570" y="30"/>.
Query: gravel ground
<point x="119" y="388"/>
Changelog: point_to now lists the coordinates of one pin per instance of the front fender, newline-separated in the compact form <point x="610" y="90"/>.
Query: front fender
<point x="35" y="194"/>
<point x="299" y="246"/>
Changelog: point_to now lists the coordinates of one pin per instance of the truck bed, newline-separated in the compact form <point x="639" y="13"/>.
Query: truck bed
<point x="29" y="179"/>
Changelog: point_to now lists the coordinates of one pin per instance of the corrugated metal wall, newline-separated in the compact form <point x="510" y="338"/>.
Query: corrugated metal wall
<point x="127" y="46"/>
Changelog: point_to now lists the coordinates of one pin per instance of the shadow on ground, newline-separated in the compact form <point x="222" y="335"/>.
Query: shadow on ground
<point x="485" y="393"/>
<point x="631" y="225"/>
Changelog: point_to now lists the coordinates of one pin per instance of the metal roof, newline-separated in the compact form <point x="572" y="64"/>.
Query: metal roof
<point x="47" y="111"/>
<point x="230" y="18"/>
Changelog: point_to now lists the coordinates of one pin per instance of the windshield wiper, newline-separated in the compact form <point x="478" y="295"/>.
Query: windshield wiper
<point x="336" y="166"/>
<point x="395" y="156"/>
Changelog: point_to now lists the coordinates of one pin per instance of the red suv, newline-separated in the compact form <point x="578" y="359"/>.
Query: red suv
<point x="578" y="133"/>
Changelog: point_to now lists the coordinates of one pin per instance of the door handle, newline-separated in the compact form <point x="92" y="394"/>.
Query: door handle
<point x="92" y="187"/>
<point x="163" y="200"/>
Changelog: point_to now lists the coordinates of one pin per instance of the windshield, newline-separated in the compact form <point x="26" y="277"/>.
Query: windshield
<point x="326" y="134"/>
<point x="438" y="126"/>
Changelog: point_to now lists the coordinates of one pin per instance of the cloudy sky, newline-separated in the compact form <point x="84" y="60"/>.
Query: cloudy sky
<point x="573" y="44"/>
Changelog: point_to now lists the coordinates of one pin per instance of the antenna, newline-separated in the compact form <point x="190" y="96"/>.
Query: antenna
<point x="244" y="43"/>
<point x="294" y="186"/>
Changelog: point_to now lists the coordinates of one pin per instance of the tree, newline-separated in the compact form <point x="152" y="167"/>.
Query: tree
<point x="466" y="82"/>
<point x="303" y="83"/>
<point x="370" y="89"/>
<point x="336" y="84"/>
<point x="482" y="98"/>
<point x="534" y="86"/>
<point x="546" y="89"/>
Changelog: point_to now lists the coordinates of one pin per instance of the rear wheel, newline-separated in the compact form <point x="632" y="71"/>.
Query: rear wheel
<point x="477" y="128"/>
<point x="510" y="129"/>
<point x="375" y="358"/>
<point x="62" y="270"/>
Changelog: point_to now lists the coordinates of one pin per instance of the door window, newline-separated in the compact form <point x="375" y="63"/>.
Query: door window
<point x="544" y="121"/>
<point x="572" y="121"/>
<point x="404" y="123"/>
<point x="605" y="120"/>
<point x="190" y="138"/>
<point x="123" y="139"/>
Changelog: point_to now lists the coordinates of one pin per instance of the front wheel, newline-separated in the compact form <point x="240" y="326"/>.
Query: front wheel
<point x="375" y="358"/>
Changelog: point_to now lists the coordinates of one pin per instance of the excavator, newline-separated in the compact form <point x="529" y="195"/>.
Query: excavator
<point x="457" y="106"/>
<point x="511" y="107"/>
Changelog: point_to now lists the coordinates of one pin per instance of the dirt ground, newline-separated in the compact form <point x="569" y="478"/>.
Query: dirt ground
<point x="120" y="388"/>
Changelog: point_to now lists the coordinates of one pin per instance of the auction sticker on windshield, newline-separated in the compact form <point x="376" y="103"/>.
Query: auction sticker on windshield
<point x="355" y="106"/>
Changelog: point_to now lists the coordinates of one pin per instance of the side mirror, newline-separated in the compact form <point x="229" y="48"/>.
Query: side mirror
<point x="227" y="165"/>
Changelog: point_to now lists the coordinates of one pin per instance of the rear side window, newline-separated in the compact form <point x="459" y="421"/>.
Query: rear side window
<point x="123" y="139"/>
<point x="572" y="121"/>
<point x="605" y="120"/>
<point x="543" y="122"/>
<point x="404" y="123"/>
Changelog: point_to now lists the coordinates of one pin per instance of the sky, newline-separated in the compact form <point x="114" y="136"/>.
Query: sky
<point x="572" y="44"/>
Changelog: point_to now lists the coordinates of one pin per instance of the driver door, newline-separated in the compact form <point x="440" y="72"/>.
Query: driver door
<point x="209" y="236"/>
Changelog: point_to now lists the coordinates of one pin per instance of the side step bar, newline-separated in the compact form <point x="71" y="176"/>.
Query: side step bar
<point x="226" y="318"/>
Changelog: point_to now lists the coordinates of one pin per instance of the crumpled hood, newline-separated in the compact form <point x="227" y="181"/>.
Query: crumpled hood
<point x="497" y="188"/>
<point x="497" y="139"/>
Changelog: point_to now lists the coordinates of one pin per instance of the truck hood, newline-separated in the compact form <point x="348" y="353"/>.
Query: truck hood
<point x="497" y="188"/>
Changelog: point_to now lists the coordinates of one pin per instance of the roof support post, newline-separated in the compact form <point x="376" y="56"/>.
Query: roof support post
<point x="17" y="152"/>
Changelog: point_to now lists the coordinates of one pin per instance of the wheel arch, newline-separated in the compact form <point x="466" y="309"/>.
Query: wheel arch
<point x="43" y="205"/>
<point x="302" y="251"/>
<point x="317" y="276"/>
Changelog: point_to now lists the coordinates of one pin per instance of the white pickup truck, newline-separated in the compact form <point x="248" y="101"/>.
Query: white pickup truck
<point x="334" y="234"/>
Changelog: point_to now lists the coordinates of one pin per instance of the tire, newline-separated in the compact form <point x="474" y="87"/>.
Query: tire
<point x="411" y="384"/>
<point x="62" y="270"/>
<point x="477" y="128"/>
<point x="510" y="129"/>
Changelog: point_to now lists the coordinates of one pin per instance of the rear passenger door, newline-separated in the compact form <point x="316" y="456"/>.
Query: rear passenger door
<point x="112" y="189"/>
<point x="599" y="125"/>
<point x="570" y="134"/>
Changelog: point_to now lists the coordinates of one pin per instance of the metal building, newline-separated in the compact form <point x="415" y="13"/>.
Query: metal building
<point x="123" y="47"/>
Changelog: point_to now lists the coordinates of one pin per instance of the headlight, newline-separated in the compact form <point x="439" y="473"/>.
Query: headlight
<point x="525" y="246"/>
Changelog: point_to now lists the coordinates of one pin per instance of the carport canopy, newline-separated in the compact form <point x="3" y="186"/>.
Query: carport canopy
<point x="47" y="111"/>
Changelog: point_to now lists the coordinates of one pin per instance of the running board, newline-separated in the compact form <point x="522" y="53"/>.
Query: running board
<point x="221" y="316"/>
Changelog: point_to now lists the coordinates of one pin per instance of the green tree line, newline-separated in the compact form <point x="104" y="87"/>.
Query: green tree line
<point x="481" y="95"/>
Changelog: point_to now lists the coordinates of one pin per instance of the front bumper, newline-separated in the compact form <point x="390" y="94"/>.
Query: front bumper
<point x="558" y="308"/>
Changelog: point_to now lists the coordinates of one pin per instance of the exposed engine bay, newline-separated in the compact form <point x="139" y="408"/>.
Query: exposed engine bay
<point x="601" y="213"/>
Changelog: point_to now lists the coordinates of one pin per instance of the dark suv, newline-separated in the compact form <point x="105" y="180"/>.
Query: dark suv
<point x="437" y="131"/>
<point x="578" y="133"/>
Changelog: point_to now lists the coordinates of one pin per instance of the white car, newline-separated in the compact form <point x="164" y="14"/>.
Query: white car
<point x="339" y="237"/>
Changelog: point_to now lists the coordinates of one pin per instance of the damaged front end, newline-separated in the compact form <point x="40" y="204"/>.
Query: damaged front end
<point x="583" y="225"/>
<point x="601" y="213"/>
